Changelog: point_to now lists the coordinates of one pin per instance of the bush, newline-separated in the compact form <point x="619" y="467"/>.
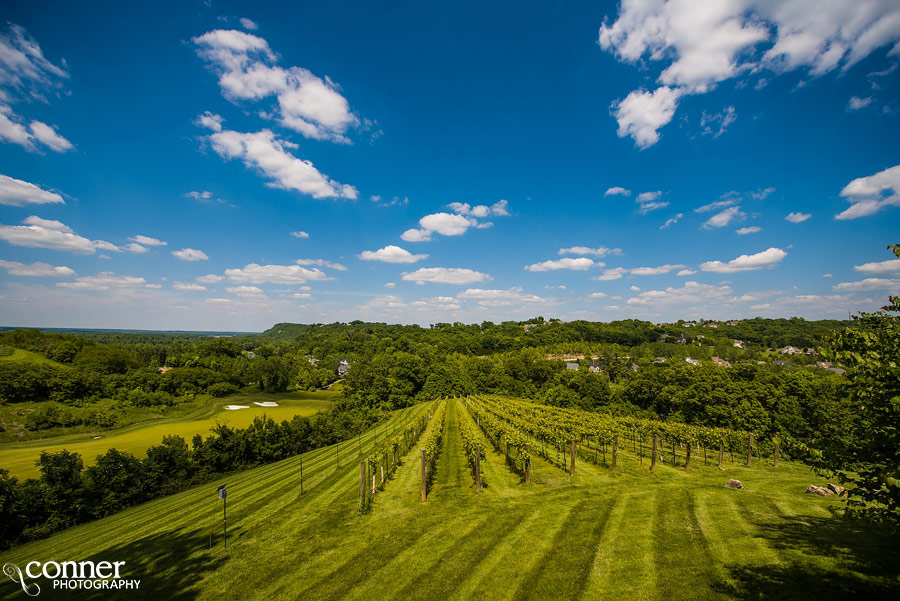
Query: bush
<point x="222" y="389"/>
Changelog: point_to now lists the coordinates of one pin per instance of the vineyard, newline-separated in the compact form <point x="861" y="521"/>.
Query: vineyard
<point x="540" y="526"/>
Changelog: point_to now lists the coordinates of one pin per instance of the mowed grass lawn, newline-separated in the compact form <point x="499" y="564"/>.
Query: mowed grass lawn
<point x="636" y="535"/>
<point x="19" y="458"/>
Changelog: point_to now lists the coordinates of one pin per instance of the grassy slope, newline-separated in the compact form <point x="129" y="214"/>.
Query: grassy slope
<point x="19" y="458"/>
<point x="637" y="535"/>
<point x="20" y="356"/>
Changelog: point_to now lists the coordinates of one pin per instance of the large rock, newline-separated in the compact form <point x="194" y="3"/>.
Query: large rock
<point x="819" y="490"/>
<point x="838" y="490"/>
<point x="734" y="484"/>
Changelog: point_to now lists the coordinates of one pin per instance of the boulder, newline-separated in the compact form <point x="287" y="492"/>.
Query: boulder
<point x="838" y="490"/>
<point x="819" y="490"/>
<point x="734" y="484"/>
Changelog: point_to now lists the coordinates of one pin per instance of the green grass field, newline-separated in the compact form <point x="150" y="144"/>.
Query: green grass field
<point x="16" y="355"/>
<point x="19" y="458"/>
<point x="636" y="535"/>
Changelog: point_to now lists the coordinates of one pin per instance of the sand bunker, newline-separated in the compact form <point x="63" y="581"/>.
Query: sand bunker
<point x="266" y="404"/>
<point x="233" y="407"/>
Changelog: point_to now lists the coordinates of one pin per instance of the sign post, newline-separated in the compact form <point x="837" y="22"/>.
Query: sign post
<point x="223" y="493"/>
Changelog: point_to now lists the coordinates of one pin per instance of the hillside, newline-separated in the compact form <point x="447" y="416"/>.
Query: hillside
<point x="670" y="534"/>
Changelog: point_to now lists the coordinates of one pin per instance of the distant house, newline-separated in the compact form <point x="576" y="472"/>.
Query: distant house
<point x="343" y="368"/>
<point x="572" y="366"/>
<point x="529" y="326"/>
<point x="163" y="370"/>
<point x="732" y="323"/>
<point x="721" y="362"/>
<point x="659" y="360"/>
<point x="739" y="344"/>
<point x="312" y="360"/>
<point x="700" y="337"/>
<point x="663" y="337"/>
<point x="682" y="339"/>
<point x="691" y="361"/>
<point x="251" y="355"/>
<point x="781" y="363"/>
<point x="595" y="367"/>
<point x="790" y="350"/>
<point x="711" y="325"/>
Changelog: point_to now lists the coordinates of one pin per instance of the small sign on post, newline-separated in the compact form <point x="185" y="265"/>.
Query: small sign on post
<point x="222" y="492"/>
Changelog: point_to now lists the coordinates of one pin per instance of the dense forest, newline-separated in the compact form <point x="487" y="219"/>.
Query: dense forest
<point x="774" y="377"/>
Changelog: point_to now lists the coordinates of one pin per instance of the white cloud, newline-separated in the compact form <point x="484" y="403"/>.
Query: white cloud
<point x="134" y="248"/>
<point x="611" y="274"/>
<point x="190" y="254"/>
<point x="634" y="288"/>
<point x="147" y="240"/>
<point x="445" y="275"/>
<point x="691" y="292"/>
<point x="499" y="298"/>
<point x="869" y="284"/>
<point x="18" y="193"/>
<point x="246" y="291"/>
<point x="321" y="263"/>
<point x="201" y="196"/>
<point x="857" y="103"/>
<point x="391" y="254"/>
<point x="457" y="223"/>
<point x="617" y="191"/>
<point x="671" y="221"/>
<point x="600" y="251"/>
<point x="724" y="218"/>
<point x="48" y="233"/>
<point x="248" y="71"/>
<point x="414" y="235"/>
<point x="390" y="285"/>
<point x="797" y="217"/>
<point x="37" y="269"/>
<point x="300" y="234"/>
<point x="188" y="286"/>
<point x="715" y="124"/>
<point x="715" y="206"/>
<point x="248" y="24"/>
<point x="648" y="201"/>
<point x="210" y="121"/>
<point x="210" y="278"/>
<point x="701" y="44"/>
<point x="685" y="272"/>
<point x="500" y="208"/>
<point x="655" y="270"/>
<point x="579" y="264"/>
<point x="302" y="295"/>
<point x="652" y="206"/>
<point x="266" y="153"/>
<point x="827" y="275"/>
<point x="48" y="136"/>
<point x="870" y="194"/>
<point x="447" y="224"/>
<point x="648" y="196"/>
<point x="767" y="258"/>
<point x="273" y="274"/>
<point x="892" y="266"/>
<point x="598" y="295"/>
<point x="748" y="230"/>
<point x="104" y="281"/>
<point x="641" y="114"/>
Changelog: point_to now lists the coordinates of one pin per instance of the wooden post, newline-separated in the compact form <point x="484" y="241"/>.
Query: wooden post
<point x="653" y="456"/>
<point x="382" y="473"/>
<point x="423" y="476"/>
<point x="615" y="451"/>
<point x="572" y="460"/>
<point x="362" y="485"/>
<point x="478" y="468"/>
<point x="373" y="484"/>
<point x="687" y="458"/>
<point x="750" y="450"/>
<point x="528" y="464"/>
<point x="721" y="453"/>
<point x="777" y="444"/>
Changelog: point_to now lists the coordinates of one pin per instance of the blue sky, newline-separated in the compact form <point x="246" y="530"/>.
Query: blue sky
<point x="215" y="165"/>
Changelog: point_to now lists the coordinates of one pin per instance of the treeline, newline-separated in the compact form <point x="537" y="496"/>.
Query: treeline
<point x="68" y="493"/>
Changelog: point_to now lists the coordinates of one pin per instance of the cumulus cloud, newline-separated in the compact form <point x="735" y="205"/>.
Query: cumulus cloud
<point x="765" y="259"/>
<point x="445" y="275"/>
<point x="498" y="209"/>
<point x="210" y="278"/>
<point x="147" y="240"/>
<point x="671" y="221"/>
<point x="797" y="217"/>
<point x="245" y="291"/>
<point x="701" y="44"/>
<point x="600" y="251"/>
<point x="857" y="103"/>
<point x="300" y="234"/>
<point x="579" y="264"/>
<point x="869" y="284"/>
<point x="271" y="274"/>
<point x="642" y="113"/>
<point x="611" y="274"/>
<point x="264" y="152"/>
<point x="48" y="136"/>
<point x="715" y="206"/>
<point x="37" y="269"/>
<point x="597" y="295"/>
<point x="210" y="121"/>
<point x="748" y="230"/>
<point x="724" y="218"/>
<point x="654" y="270"/>
<point x="190" y="254"/>
<point x="463" y="217"/>
<point x="188" y="286"/>
<point x="105" y="281"/>
<point x="248" y="71"/>
<point x="248" y="24"/>
<point x="868" y="195"/>
<point x="892" y="266"/>
<point x="321" y="263"/>
<point x="18" y="193"/>
<point x="685" y="272"/>
<point x="617" y="191"/>
<point x="52" y="234"/>
<point x="499" y="298"/>
<point x="391" y="254"/>
<point x="691" y="292"/>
